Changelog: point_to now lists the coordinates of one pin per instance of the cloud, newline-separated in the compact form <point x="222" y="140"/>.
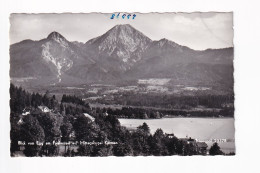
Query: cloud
<point x="195" y="30"/>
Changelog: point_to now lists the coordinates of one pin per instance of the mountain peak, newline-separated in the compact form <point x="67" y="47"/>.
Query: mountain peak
<point x="122" y="35"/>
<point x="123" y="26"/>
<point x="165" y="41"/>
<point x="58" y="38"/>
<point x="123" y="29"/>
<point x="123" y="42"/>
<point x="55" y="35"/>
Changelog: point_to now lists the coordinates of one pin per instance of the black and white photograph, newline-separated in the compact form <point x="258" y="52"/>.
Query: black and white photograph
<point x="121" y="84"/>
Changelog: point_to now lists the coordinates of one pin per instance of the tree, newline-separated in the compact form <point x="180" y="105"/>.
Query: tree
<point x="157" y="143"/>
<point x="172" y="145"/>
<point x="31" y="131"/>
<point x="62" y="109"/>
<point x="13" y="96"/>
<point x="122" y="149"/>
<point x="66" y="129"/>
<point x="145" y="128"/>
<point x="18" y="99"/>
<point x="215" y="150"/>
<point x="139" y="140"/>
<point x="85" y="150"/>
<point x="37" y="100"/>
<point x="102" y="150"/>
<point x="15" y="135"/>
<point x="85" y="129"/>
<point x="159" y="134"/>
<point x="53" y="102"/>
<point x="51" y="124"/>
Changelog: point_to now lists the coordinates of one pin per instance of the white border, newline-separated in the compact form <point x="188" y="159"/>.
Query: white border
<point x="247" y="90"/>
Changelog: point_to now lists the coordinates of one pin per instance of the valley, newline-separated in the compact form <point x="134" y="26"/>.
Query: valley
<point x="150" y="95"/>
<point x="126" y="68"/>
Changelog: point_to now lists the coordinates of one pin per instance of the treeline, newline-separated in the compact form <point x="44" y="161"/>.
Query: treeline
<point x="73" y="109"/>
<point x="72" y="99"/>
<point x="171" y="101"/>
<point x="45" y="128"/>
<point x="21" y="99"/>
<point x="136" y="113"/>
<point x="145" y="113"/>
<point x="138" y="142"/>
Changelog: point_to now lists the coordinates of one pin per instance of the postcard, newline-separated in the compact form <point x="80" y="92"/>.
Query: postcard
<point x="121" y="84"/>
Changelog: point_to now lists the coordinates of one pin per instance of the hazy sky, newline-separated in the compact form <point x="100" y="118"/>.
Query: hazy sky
<point x="196" y="30"/>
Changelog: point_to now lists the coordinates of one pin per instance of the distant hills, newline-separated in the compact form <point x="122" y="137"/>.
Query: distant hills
<point x="122" y="53"/>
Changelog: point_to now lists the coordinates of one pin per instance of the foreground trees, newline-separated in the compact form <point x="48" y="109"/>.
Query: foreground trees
<point x="215" y="150"/>
<point x="106" y="133"/>
<point x="32" y="133"/>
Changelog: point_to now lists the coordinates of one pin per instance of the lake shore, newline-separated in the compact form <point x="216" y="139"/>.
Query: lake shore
<point x="202" y="129"/>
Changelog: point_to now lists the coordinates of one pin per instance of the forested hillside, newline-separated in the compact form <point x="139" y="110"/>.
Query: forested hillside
<point x="65" y="131"/>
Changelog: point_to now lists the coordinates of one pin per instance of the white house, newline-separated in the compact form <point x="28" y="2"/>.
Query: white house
<point x="89" y="116"/>
<point x="20" y="121"/>
<point x="26" y="111"/>
<point x="44" y="108"/>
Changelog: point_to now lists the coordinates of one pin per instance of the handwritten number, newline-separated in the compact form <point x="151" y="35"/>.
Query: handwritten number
<point x="123" y="16"/>
<point x="112" y="17"/>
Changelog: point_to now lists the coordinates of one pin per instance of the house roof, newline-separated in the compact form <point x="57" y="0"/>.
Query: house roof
<point x="187" y="139"/>
<point x="42" y="107"/>
<point x="169" y="134"/>
<point x="89" y="116"/>
<point x="20" y="121"/>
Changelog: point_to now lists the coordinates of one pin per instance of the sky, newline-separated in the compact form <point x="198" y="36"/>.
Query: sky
<point x="198" y="31"/>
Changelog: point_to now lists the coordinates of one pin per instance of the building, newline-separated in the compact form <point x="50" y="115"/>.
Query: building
<point x="188" y="140"/>
<point x="202" y="148"/>
<point x="44" y="108"/>
<point x="89" y="116"/>
<point x="20" y="122"/>
<point x="170" y="135"/>
<point x="26" y="111"/>
<point x="72" y="135"/>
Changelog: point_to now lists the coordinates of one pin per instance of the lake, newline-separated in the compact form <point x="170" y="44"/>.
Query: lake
<point x="202" y="129"/>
